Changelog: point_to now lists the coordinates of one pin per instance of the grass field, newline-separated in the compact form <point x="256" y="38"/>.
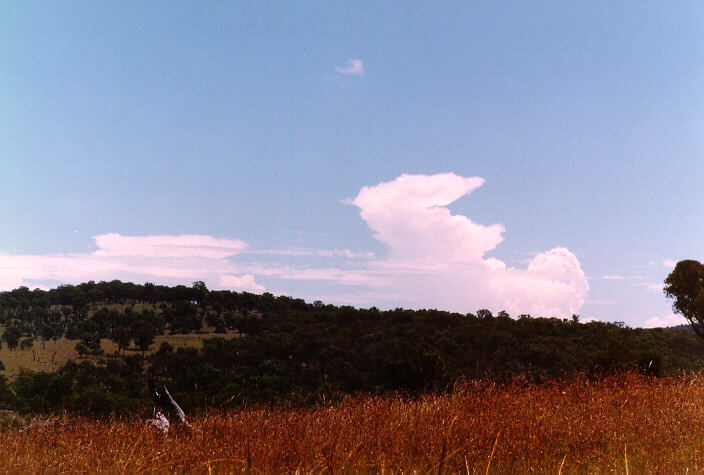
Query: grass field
<point x="56" y="353"/>
<point x="625" y="424"/>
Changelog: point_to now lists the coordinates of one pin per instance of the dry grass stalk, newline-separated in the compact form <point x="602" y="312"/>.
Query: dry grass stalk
<point x="560" y="427"/>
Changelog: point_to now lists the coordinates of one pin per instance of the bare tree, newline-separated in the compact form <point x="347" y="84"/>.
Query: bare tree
<point x="169" y="410"/>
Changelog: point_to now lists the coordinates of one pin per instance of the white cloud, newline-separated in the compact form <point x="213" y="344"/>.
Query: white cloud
<point x="315" y="252"/>
<point x="354" y="67"/>
<point x="438" y="259"/>
<point x="408" y="215"/>
<point x="434" y="259"/>
<point x="621" y="277"/>
<point x="669" y="320"/>
<point x="654" y="286"/>
<point x="186" y="245"/>
<point x="346" y="276"/>
<point x="602" y="302"/>
<point x="242" y="283"/>
<point x="589" y="320"/>
<point x="344" y="253"/>
<point x="161" y="259"/>
<point x="669" y="263"/>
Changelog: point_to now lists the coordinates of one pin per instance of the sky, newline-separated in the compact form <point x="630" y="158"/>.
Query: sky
<point x="534" y="157"/>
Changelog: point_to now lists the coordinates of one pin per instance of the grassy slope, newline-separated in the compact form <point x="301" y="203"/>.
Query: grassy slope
<point x="63" y="350"/>
<point x="647" y="425"/>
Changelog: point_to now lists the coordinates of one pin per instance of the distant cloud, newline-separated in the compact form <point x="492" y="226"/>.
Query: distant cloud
<point x="354" y="67"/>
<point x="669" y="263"/>
<point x="602" y="302"/>
<point x="344" y="253"/>
<point x="439" y="259"/>
<point x="315" y="252"/>
<point x="621" y="277"/>
<point x="338" y="275"/>
<point x="654" y="286"/>
<point x="434" y="259"/>
<point x="669" y="320"/>
<point x="589" y="320"/>
<point x="161" y="259"/>
<point x="186" y="245"/>
<point x="242" y="283"/>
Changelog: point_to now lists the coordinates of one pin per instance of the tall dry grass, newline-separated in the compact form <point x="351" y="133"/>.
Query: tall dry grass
<point x="654" y="425"/>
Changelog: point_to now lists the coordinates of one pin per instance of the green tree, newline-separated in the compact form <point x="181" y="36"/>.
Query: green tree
<point x="200" y="291"/>
<point x="144" y="336"/>
<point x="46" y="331"/>
<point x="81" y="349"/>
<point x="12" y="335"/>
<point x="27" y="343"/>
<point x="122" y="337"/>
<point x="89" y="344"/>
<point x="685" y="285"/>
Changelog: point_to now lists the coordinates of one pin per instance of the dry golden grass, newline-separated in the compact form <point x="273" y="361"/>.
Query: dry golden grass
<point x="54" y="353"/>
<point x="653" y="425"/>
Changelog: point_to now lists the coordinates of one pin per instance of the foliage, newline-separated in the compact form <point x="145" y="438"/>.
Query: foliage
<point x="293" y="351"/>
<point x="12" y="334"/>
<point x="685" y="285"/>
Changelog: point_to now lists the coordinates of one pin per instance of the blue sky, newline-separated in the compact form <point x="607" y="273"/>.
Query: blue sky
<point x="248" y="130"/>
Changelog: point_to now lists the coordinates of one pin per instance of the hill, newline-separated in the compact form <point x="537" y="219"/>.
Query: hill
<point x="271" y="348"/>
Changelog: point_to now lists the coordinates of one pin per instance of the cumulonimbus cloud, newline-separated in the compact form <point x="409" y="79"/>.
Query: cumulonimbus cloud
<point x="434" y="259"/>
<point x="439" y="259"/>
<point x="409" y="215"/>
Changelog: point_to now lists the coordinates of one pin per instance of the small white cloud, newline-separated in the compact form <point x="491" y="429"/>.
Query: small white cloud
<point x="602" y="302"/>
<point x="244" y="282"/>
<point x="315" y="252"/>
<point x="654" y="286"/>
<point x="354" y="67"/>
<point x="185" y="245"/>
<point x="589" y="319"/>
<point x="344" y="276"/>
<point x="669" y="320"/>
<point x="612" y="277"/>
<point x="344" y="253"/>
<point x="669" y="263"/>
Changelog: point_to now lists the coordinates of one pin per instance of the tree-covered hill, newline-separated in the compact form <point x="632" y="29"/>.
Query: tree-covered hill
<point x="297" y="351"/>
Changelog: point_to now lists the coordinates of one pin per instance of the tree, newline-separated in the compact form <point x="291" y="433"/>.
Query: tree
<point x="200" y="291"/>
<point x="122" y="337"/>
<point x="81" y="349"/>
<point x="79" y="304"/>
<point x="484" y="314"/>
<point x="47" y="331"/>
<point x="144" y="336"/>
<point x="27" y="343"/>
<point x="89" y="344"/>
<point x="685" y="285"/>
<point x="12" y="336"/>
